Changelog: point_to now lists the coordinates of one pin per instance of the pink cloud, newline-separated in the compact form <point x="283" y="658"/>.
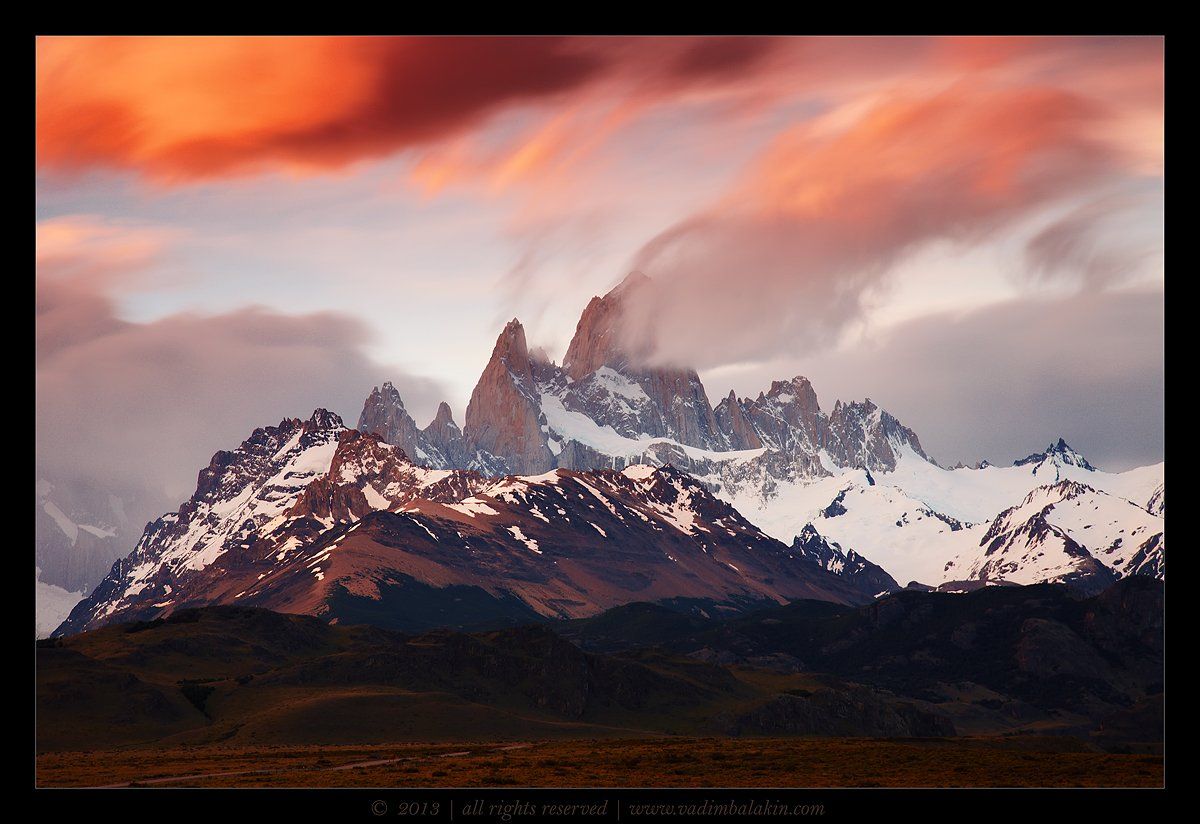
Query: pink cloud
<point x="100" y="251"/>
<point x="818" y="220"/>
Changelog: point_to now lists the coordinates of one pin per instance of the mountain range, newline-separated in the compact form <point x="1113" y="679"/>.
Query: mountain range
<point x="574" y="488"/>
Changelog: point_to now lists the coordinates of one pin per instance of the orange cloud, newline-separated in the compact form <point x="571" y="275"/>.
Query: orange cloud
<point x="187" y="108"/>
<point x="180" y="109"/>
<point x="543" y="154"/>
<point x="961" y="153"/>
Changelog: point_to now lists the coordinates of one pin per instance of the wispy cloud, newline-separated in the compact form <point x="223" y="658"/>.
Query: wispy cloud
<point x="786" y="257"/>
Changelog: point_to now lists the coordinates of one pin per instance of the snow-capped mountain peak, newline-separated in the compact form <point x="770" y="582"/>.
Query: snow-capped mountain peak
<point x="1069" y="532"/>
<point x="240" y="494"/>
<point x="1056" y="454"/>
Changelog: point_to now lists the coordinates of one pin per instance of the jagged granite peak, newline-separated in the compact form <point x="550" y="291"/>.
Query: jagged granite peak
<point x="504" y="415"/>
<point x="511" y="342"/>
<point x="444" y="417"/>
<point x="788" y="417"/>
<point x="598" y="410"/>
<point x="1059" y="453"/>
<point x="440" y="445"/>
<point x="599" y="339"/>
<point x="667" y="402"/>
<point x="384" y="414"/>
<point x="870" y="437"/>
<point x="445" y="436"/>
<point x="740" y="431"/>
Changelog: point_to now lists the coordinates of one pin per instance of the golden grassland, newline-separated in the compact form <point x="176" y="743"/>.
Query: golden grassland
<point x="663" y="762"/>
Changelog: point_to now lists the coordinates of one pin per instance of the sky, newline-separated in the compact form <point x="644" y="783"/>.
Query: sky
<point x="231" y="231"/>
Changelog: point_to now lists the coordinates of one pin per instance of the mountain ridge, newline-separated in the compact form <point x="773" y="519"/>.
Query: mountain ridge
<point x="829" y="488"/>
<point x="310" y="512"/>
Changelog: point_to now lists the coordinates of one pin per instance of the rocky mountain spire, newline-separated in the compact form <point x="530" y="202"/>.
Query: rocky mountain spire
<point x="599" y="339"/>
<point x="867" y="436"/>
<point x="384" y="415"/>
<point x="678" y="405"/>
<point x="731" y="419"/>
<point x="787" y="416"/>
<point x="446" y="436"/>
<point x="438" y="446"/>
<point x="504" y="414"/>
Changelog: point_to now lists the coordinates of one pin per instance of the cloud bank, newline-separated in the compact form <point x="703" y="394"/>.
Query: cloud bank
<point x="1003" y="381"/>
<point x="145" y="405"/>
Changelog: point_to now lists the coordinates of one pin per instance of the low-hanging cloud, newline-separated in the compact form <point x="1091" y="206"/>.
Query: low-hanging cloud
<point x="1002" y="382"/>
<point x="145" y="405"/>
